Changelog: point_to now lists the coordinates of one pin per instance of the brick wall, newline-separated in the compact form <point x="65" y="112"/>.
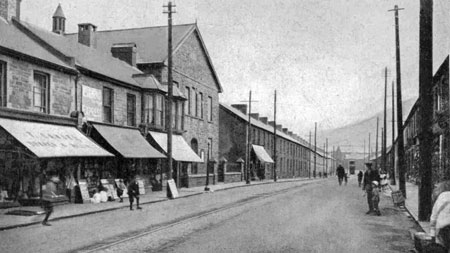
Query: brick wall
<point x="20" y="83"/>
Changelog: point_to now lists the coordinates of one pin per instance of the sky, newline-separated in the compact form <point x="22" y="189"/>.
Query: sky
<point x="325" y="58"/>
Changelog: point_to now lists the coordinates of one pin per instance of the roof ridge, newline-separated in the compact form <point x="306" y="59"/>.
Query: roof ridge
<point x="135" y="28"/>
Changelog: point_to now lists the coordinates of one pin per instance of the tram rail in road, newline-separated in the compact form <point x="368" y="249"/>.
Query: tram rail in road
<point x="129" y="236"/>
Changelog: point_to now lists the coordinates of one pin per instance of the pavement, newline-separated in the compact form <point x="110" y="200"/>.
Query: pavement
<point x="74" y="210"/>
<point x="412" y="204"/>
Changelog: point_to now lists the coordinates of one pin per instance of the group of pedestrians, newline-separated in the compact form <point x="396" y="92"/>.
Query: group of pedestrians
<point x="342" y="176"/>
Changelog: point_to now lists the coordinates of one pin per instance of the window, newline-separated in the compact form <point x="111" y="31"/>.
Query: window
<point x="131" y="110"/>
<point x="210" y="147"/>
<point x="159" y="110"/>
<point x="149" y="116"/>
<point x="174" y="114"/>
<point x="176" y="84"/>
<point x="108" y="103"/>
<point x="210" y="109"/>
<point x="41" y="92"/>
<point x="194" y="146"/>
<point x="3" y="84"/>
<point x="180" y="115"/>
<point x="201" y="105"/>
<point x="188" y="96"/>
<point x="196" y="105"/>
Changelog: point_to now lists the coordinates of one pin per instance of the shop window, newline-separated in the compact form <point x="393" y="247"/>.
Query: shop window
<point x="2" y="84"/>
<point x="131" y="110"/>
<point x="108" y="105"/>
<point x="210" y="109"/>
<point x="41" y="92"/>
<point x="148" y="109"/>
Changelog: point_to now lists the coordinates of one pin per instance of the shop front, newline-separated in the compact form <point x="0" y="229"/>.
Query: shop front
<point x="32" y="152"/>
<point x="182" y="154"/>
<point x="135" y="157"/>
<point x="259" y="160"/>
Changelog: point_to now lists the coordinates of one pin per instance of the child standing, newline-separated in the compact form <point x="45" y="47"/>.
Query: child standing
<point x="375" y="197"/>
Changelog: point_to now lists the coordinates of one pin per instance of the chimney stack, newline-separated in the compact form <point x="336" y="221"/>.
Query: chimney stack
<point x="255" y="115"/>
<point x="280" y="127"/>
<point x="285" y="130"/>
<point x="241" y="107"/>
<point x="10" y="9"/>
<point x="125" y="52"/>
<point x="264" y="120"/>
<point x="272" y="123"/>
<point x="86" y="34"/>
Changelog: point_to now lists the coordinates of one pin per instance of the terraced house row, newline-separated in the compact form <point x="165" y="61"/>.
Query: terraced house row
<point x="91" y="108"/>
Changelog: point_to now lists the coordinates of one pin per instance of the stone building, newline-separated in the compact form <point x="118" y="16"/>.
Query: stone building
<point x="194" y="76"/>
<point x="293" y="153"/>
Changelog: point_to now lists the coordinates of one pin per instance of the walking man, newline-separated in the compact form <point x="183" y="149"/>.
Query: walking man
<point x="360" y="176"/>
<point x="48" y="194"/>
<point x="370" y="175"/>
<point x="340" y="171"/>
<point x="133" y="193"/>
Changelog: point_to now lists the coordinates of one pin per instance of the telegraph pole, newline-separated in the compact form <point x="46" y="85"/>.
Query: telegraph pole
<point x="383" y="148"/>
<point x="275" y="137"/>
<point x="400" y="141"/>
<point x="392" y="174"/>
<point x="249" y="137"/>
<point x="426" y="108"/>
<point x="309" y="159"/>
<point x="376" y="146"/>
<point x="364" y="154"/>
<point x="368" y="159"/>
<point x="169" y="11"/>
<point x="326" y="158"/>
<point x="315" y="149"/>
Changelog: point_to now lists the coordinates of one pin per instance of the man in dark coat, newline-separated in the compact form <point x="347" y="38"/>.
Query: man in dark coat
<point x="340" y="171"/>
<point x="133" y="192"/>
<point x="360" y="176"/>
<point x="370" y="175"/>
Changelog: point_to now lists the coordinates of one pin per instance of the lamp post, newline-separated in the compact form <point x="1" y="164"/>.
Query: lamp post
<point x="207" y="170"/>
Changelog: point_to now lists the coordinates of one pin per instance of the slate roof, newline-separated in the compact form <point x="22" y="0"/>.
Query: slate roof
<point x="13" y="38"/>
<point x="151" y="42"/>
<point x="86" y="57"/>
<point x="261" y="125"/>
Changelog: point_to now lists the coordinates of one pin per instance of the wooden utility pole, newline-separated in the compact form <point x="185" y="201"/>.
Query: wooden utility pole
<point x="169" y="11"/>
<point x="326" y="158"/>
<point x="364" y="154"/>
<point x="275" y="137"/>
<point x="426" y="108"/>
<point x="315" y="149"/>
<point x="309" y="159"/>
<point x="400" y="142"/>
<point x="376" y="145"/>
<point x="333" y="168"/>
<point x="249" y="137"/>
<point x="383" y="148"/>
<point x="368" y="158"/>
<point x="392" y="174"/>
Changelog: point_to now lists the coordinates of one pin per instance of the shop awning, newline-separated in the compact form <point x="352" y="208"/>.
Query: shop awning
<point x="181" y="151"/>
<point x="48" y="140"/>
<point x="128" y="142"/>
<point x="262" y="154"/>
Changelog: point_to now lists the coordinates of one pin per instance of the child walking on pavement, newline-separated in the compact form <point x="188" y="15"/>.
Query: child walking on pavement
<point x="375" y="197"/>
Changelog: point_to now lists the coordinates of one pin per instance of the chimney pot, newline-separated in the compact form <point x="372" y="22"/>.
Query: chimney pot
<point x="86" y="34"/>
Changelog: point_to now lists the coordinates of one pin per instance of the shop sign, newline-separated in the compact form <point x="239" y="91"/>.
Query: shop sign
<point x="84" y="190"/>
<point x="92" y="103"/>
<point x="141" y="186"/>
<point x="173" y="188"/>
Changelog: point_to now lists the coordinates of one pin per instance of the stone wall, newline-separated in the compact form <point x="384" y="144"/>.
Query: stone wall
<point x="20" y="83"/>
<point x="120" y="98"/>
